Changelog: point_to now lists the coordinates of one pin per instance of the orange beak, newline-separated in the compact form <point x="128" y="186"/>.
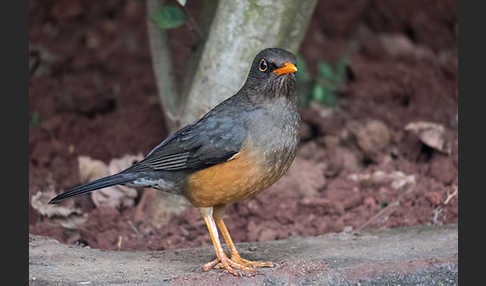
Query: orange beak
<point x="287" y="68"/>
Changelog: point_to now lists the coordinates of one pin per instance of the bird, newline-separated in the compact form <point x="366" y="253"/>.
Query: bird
<point x="233" y="152"/>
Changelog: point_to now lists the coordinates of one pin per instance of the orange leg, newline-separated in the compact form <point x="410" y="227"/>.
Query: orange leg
<point x="235" y="256"/>
<point x="222" y="260"/>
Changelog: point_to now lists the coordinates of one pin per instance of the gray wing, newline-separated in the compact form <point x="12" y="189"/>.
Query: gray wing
<point x="211" y="140"/>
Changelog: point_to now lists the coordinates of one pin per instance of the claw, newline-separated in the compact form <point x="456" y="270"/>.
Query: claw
<point x="236" y="262"/>
<point x="228" y="265"/>
<point x="251" y="263"/>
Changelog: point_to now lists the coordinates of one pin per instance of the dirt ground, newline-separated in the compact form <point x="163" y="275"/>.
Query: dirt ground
<point x="92" y="93"/>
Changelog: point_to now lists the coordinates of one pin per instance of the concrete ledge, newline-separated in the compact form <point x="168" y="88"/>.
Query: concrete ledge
<point x="422" y="255"/>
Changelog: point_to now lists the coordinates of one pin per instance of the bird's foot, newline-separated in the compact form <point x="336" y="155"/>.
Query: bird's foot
<point x="238" y="263"/>
<point x="250" y="263"/>
<point x="230" y="265"/>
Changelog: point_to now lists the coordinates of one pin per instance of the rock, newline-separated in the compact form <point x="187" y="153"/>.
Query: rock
<point x="442" y="169"/>
<point x="350" y="159"/>
<point x="341" y="158"/>
<point x="304" y="176"/>
<point x="312" y="151"/>
<point x="371" y="137"/>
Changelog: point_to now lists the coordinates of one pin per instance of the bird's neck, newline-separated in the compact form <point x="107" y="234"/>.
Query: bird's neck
<point x="281" y="91"/>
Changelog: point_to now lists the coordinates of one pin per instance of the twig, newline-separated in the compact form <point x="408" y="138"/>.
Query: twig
<point x="435" y="218"/>
<point x="133" y="227"/>
<point x="119" y="244"/>
<point x="388" y="209"/>
<point x="450" y="196"/>
<point x="379" y="214"/>
<point x="162" y="65"/>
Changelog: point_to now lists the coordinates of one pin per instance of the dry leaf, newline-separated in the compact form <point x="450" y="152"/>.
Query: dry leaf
<point x="431" y="134"/>
<point x="66" y="215"/>
<point x="91" y="169"/>
<point x="114" y="196"/>
<point x="397" y="179"/>
<point x="399" y="45"/>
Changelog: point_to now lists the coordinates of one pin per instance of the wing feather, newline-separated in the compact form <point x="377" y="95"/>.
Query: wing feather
<point x="213" y="139"/>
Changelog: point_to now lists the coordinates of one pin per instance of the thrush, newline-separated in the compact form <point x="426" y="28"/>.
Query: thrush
<point x="236" y="150"/>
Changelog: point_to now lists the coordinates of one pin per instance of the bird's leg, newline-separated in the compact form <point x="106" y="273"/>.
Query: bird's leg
<point x="235" y="256"/>
<point x="222" y="261"/>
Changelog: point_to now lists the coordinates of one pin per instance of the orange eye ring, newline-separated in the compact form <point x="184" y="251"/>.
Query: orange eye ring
<point x="263" y="66"/>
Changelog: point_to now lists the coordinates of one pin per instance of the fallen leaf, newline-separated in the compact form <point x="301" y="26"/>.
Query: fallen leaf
<point x="67" y="216"/>
<point x="431" y="134"/>
<point x="115" y="196"/>
<point x="91" y="169"/>
<point x="397" y="179"/>
<point x="399" y="45"/>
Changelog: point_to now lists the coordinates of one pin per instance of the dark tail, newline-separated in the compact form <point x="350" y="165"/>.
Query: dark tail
<point x="95" y="185"/>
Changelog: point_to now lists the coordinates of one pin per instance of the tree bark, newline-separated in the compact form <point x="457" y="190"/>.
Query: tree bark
<point x="162" y="66"/>
<point x="241" y="29"/>
<point x="234" y="32"/>
<point x="171" y="99"/>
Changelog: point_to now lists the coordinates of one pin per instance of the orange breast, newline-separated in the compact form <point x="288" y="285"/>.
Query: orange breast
<point x="234" y="180"/>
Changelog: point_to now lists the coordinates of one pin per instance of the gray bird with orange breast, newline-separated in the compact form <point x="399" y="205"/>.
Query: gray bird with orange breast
<point x="236" y="150"/>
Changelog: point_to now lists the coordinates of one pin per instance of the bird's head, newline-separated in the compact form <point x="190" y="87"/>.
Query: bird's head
<point x="273" y="73"/>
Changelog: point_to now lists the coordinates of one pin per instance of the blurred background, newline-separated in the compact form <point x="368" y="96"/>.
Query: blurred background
<point x="377" y="84"/>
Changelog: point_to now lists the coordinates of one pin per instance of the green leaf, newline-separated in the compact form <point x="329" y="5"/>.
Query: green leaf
<point x="325" y="71"/>
<point x="318" y="93"/>
<point x="182" y="2"/>
<point x="169" y="17"/>
<point x="324" y="96"/>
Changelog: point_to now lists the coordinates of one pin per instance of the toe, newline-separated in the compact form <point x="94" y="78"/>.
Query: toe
<point x="212" y="264"/>
<point x="258" y="263"/>
<point x="228" y="265"/>
<point x="239" y="266"/>
<point x="250" y="263"/>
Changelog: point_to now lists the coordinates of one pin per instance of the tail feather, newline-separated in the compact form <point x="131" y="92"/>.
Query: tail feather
<point x="95" y="185"/>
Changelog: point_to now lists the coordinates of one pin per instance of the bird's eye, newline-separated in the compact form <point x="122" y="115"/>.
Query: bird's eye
<point x="263" y="66"/>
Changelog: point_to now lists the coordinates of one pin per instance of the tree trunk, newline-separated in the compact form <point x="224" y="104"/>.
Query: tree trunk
<point x="235" y="31"/>
<point x="162" y="66"/>
<point x="241" y="29"/>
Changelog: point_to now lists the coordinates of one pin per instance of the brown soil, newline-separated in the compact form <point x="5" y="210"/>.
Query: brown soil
<point x="93" y="89"/>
